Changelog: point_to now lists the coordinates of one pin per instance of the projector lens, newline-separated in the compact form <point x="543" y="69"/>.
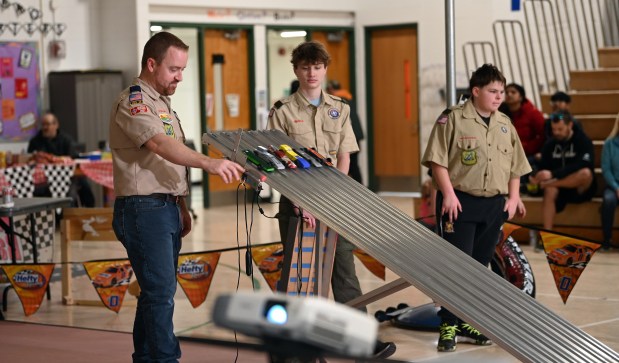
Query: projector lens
<point x="276" y="313"/>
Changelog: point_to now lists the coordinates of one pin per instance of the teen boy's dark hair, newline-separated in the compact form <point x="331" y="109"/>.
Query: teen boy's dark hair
<point x="311" y="52"/>
<point x="485" y="75"/>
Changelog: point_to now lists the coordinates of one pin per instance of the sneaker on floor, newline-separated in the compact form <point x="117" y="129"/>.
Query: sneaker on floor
<point x="447" y="337"/>
<point x="384" y="349"/>
<point x="468" y="334"/>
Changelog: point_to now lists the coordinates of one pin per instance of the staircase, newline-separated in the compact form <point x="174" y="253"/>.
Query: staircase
<point x="595" y="103"/>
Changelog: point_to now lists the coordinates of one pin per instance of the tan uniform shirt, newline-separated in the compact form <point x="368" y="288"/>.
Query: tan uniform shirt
<point x="326" y="128"/>
<point x="138" y="114"/>
<point x="480" y="158"/>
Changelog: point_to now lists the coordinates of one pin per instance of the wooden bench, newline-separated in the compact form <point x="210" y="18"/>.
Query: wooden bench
<point x="583" y="220"/>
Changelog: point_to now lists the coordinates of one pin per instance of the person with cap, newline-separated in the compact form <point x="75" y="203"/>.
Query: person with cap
<point x="566" y="173"/>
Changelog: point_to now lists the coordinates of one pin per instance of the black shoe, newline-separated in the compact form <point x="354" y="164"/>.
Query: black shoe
<point x="468" y="334"/>
<point x="447" y="337"/>
<point x="384" y="349"/>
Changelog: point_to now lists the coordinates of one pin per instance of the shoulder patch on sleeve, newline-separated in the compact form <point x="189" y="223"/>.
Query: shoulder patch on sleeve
<point x="278" y="104"/>
<point x="444" y="116"/>
<point x="271" y="112"/>
<point x="135" y="88"/>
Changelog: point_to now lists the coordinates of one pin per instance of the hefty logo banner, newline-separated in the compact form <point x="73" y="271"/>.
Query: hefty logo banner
<point x="30" y="283"/>
<point x="195" y="273"/>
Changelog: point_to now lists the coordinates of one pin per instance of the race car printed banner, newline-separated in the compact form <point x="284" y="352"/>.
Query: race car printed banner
<point x="375" y="267"/>
<point x="195" y="273"/>
<point x="269" y="260"/>
<point x="111" y="280"/>
<point x="567" y="257"/>
<point x="30" y="283"/>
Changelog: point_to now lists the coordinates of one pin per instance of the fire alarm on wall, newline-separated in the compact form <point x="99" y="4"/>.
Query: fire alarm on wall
<point x="58" y="49"/>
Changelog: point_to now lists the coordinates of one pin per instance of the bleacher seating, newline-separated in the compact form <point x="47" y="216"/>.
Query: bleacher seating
<point x="595" y="103"/>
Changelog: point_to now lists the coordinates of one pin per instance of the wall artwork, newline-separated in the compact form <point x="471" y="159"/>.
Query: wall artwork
<point x="19" y="91"/>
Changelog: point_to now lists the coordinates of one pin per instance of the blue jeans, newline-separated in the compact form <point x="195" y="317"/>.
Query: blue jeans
<point x="150" y="230"/>
<point x="609" y="205"/>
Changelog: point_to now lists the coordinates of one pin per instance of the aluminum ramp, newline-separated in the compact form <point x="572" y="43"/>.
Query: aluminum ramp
<point x="511" y="318"/>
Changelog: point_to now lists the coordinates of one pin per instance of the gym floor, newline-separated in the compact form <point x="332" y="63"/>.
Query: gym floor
<point x="593" y="305"/>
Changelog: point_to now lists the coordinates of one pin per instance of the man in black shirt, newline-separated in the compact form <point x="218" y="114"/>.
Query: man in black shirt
<point x="566" y="168"/>
<point x="52" y="141"/>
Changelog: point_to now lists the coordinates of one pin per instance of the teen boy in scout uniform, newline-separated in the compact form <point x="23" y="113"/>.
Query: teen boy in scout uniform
<point x="316" y="119"/>
<point x="150" y="179"/>
<point x="476" y="160"/>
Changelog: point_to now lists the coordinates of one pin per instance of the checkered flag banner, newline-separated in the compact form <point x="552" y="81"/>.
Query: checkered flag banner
<point x="59" y="179"/>
<point x="45" y="226"/>
<point x="21" y="179"/>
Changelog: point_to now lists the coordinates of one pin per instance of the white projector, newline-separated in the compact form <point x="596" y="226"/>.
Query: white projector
<point x="311" y="321"/>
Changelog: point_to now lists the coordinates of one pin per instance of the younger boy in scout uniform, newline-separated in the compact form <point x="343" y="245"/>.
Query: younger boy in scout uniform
<point x="476" y="160"/>
<point x="316" y="119"/>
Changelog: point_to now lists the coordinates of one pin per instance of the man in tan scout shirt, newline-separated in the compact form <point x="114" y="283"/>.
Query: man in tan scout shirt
<point x="150" y="180"/>
<point x="477" y="161"/>
<point x="318" y="120"/>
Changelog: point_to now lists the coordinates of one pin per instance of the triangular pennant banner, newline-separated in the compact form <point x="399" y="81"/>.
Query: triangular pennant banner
<point x="269" y="260"/>
<point x="111" y="280"/>
<point x="30" y="283"/>
<point x="375" y="267"/>
<point x="508" y="228"/>
<point x="195" y="273"/>
<point x="567" y="257"/>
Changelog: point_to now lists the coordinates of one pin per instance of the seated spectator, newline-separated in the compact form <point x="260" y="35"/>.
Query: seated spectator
<point x="559" y="101"/>
<point x="566" y="168"/>
<point x="528" y="120"/>
<point x="50" y="140"/>
<point x="529" y="123"/>
<point x="610" y="171"/>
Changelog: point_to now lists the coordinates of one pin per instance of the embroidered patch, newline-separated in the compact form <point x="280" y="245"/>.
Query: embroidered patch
<point x="135" y="98"/>
<point x="443" y="117"/>
<point x="504" y="129"/>
<point x="271" y="112"/>
<point x="168" y="129"/>
<point x="165" y="117"/>
<point x="334" y="113"/>
<point x="139" y="109"/>
<point x="298" y="121"/>
<point x="469" y="157"/>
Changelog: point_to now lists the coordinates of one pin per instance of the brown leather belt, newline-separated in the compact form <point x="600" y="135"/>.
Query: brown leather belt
<point x="163" y="196"/>
<point x="166" y="197"/>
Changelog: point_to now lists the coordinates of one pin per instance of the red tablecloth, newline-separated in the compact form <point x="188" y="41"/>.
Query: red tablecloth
<point x="99" y="171"/>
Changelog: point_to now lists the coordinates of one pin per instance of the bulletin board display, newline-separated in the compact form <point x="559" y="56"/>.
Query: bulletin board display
<point x="19" y="90"/>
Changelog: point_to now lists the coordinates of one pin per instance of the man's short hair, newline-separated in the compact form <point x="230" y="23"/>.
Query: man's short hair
<point x="157" y="46"/>
<point x="311" y="52"/>
<point x="485" y="75"/>
<point x="561" y="115"/>
<point x="560" y="97"/>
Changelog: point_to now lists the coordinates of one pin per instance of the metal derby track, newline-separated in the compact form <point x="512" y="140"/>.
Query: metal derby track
<point x="511" y="318"/>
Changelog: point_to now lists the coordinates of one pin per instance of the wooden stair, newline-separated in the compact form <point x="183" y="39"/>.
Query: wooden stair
<point x="595" y="103"/>
<point x="609" y="57"/>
